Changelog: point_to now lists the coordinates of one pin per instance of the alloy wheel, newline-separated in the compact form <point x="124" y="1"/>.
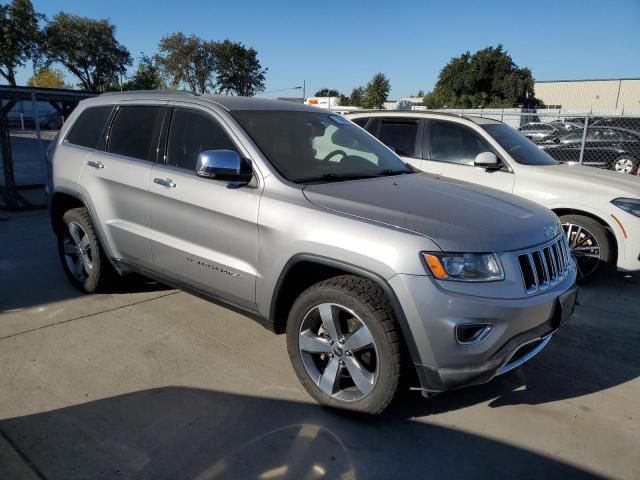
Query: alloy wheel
<point x="77" y="251"/>
<point x="624" y="165"/>
<point x="338" y="351"/>
<point x="584" y="247"/>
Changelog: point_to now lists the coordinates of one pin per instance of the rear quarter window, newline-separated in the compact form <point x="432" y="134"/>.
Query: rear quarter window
<point x="88" y="129"/>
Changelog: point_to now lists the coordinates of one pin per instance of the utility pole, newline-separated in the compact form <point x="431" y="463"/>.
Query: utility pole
<point x="304" y="90"/>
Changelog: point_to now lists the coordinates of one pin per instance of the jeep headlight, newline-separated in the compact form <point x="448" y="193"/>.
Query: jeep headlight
<point x="464" y="267"/>
<point x="629" y="205"/>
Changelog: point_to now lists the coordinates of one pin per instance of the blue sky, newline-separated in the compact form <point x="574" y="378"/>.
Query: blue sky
<point x="341" y="44"/>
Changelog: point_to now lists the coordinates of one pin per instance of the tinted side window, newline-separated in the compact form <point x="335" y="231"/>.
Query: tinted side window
<point x="134" y="132"/>
<point x="401" y="135"/>
<point x="361" y="122"/>
<point x="455" y="143"/>
<point x="192" y="132"/>
<point x="89" y="126"/>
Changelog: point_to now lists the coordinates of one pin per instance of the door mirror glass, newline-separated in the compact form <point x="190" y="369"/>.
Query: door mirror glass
<point x="486" y="160"/>
<point x="223" y="165"/>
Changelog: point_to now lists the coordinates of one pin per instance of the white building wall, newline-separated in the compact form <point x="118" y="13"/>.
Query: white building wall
<point x="604" y="96"/>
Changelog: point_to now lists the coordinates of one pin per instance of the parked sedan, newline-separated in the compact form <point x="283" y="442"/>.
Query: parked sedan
<point x="539" y="131"/>
<point x="629" y="123"/>
<point x="568" y="125"/>
<point x="605" y="147"/>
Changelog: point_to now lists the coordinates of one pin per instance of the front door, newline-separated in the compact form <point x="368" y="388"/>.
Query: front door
<point x="204" y="232"/>
<point x="450" y="150"/>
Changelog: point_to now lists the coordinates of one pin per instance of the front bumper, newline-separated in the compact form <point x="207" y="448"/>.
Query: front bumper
<point x="521" y="328"/>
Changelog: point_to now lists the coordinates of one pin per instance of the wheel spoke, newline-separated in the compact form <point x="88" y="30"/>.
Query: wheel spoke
<point x="85" y="242"/>
<point x="576" y="237"/>
<point x="586" y="249"/>
<point x="312" y="343"/>
<point x="358" y="340"/>
<point x="329" y="320"/>
<point x="76" y="233"/>
<point x="86" y="262"/>
<point x="362" y="378"/>
<point x="586" y="255"/>
<point x="328" y="382"/>
<point x="70" y="249"/>
<point x="78" y="267"/>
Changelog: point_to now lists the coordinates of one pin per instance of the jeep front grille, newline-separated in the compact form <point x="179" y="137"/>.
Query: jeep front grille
<point x="545" y="266"/>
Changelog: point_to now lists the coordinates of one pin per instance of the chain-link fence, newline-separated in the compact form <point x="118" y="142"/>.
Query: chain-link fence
<point x="602" y="141"/>
<point x="30" y="119"/>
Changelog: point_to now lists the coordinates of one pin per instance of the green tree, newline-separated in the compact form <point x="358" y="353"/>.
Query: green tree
<point x="326" y="92"/>
<point x="377" y="91"/>
<point x="488" y="78"/>
<point x="47" y="77"/>
<point x="356" y="99"/>
<point x="238" y="69"/>
<point x="189" y="60"/>
<point x="147" y="76"/>
<point x="87" y="48"/>
<point x="19" y="37"/>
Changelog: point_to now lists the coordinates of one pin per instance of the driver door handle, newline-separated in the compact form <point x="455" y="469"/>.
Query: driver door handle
<point x="95" y="164"/>
<point x="165" y="182"/>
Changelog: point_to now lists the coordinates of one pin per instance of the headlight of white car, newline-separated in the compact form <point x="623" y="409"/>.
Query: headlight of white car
<point x="464" y="267"/>
<point x="629" y="205"/>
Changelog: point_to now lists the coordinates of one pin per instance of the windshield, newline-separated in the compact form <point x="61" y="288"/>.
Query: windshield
<point x="521" y="149"/>
<point x="316" y="147"/>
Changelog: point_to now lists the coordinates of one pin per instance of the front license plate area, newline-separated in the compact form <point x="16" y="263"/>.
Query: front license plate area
<point x="565" y="305"/>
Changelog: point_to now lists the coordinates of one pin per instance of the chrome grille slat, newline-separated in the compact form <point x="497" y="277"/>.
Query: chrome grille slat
<point x="544" y="266"/>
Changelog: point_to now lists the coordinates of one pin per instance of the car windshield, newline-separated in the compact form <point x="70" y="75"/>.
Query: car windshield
<point x="521" y="149"/>
<point x="318" y="147"/>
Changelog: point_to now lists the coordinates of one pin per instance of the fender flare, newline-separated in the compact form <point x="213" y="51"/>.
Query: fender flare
<point x="398" y="311"/>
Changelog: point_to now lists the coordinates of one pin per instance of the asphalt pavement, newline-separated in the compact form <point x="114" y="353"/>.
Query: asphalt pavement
<point x="150" y="382"/>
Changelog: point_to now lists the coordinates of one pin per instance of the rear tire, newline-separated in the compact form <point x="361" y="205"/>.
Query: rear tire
<point x="590" y="246"/>
<point x="82" y="256"/>
<point x="626" y="164"/>
<point x="337" y="367"/>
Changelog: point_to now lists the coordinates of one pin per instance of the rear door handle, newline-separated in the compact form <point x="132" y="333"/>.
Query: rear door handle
<point x="165" y="182"/>
<point x="95" y="164"/>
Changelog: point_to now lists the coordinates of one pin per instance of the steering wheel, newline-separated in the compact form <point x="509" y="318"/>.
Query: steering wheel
<point x="333" y="154"/>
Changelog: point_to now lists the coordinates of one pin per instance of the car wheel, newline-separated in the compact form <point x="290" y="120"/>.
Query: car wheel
<point x="52" y="124"/>
<point x="344" y="344"/>
<point x="589" y="244"/>
<point x="82" y="257"/>
<point x="625" y="165"/>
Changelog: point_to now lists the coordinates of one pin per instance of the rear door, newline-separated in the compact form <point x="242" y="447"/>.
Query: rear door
<point x="404" y="135"/>
<point x="117" y="179"/>
<point x="450" y="149"/>
<point x="204" y="231"/>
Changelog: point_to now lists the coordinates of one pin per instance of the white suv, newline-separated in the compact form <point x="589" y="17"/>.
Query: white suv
<point x="599" y="209"/>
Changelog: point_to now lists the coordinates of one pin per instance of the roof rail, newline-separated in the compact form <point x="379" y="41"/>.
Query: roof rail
<point x="166" y="90"/>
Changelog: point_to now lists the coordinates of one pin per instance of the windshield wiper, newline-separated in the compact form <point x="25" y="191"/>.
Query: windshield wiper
<point x="335" y="177"/>
<point x="389" y="171"/>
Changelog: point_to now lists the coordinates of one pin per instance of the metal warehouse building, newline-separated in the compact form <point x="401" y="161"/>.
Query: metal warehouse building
<point x="621" y="95"/>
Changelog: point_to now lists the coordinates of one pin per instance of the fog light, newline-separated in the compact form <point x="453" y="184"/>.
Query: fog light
<point x="472" y="333"/>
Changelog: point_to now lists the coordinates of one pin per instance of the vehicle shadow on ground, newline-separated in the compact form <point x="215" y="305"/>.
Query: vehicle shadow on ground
<point x="188" y="433"/>
<point x="597" y="349"/>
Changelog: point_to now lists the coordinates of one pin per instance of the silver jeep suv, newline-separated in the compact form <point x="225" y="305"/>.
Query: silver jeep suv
<point x="302" y="220"/>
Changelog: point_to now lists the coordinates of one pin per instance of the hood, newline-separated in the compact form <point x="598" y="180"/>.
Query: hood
<point x="618" y="184"/>
<point x="458" y="216"/>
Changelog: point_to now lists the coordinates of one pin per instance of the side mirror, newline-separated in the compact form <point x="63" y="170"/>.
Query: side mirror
<point x="487" y="160"/>
<point x="392" y="148"/>
<point x="223" y="165"/>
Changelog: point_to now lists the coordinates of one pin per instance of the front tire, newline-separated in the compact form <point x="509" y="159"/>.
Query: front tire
<point x="83" y="259"/>
<point x="590" y="246"/>
<point x="344" y="344"/>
